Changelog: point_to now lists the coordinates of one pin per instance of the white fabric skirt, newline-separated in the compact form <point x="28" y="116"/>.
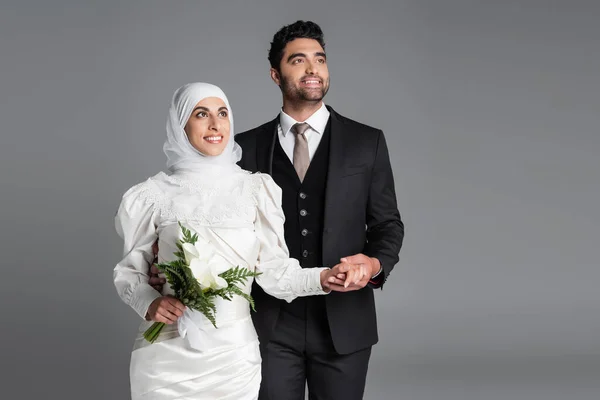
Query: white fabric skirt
<point x="170" y="369"/>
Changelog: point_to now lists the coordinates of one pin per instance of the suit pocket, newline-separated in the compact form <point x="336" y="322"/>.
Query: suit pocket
<point x="352" y="170"/>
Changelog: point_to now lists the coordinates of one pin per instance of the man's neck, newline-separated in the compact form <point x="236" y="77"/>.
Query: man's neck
<point x="301" y="111"/>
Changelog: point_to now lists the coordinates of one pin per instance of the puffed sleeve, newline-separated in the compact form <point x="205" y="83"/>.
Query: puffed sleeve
<point x="134" y="222"/>
<point x="281" y="276"/>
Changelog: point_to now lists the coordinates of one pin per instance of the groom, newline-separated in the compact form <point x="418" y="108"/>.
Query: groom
<point x="336" y="179"/>
<point x="339" y="202"/>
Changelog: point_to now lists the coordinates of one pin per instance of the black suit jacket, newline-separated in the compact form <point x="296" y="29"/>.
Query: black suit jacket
<point x="361" y="216"/>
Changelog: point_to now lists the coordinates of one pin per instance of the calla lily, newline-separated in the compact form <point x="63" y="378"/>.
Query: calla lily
<point x="201" y="272"/>
<point x="205" y="264"/>
<point x="218" y="267"/>
<point x="202" y="250"/>
<point x="207" y="273"/>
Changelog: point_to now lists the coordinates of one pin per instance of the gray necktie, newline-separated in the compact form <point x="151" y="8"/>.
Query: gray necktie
<point x="301" y="157"/>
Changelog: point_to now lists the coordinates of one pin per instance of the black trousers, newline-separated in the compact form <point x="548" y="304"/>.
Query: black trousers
<point x="300" y="352"/>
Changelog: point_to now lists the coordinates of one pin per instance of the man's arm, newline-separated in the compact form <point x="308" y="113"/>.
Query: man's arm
<point x="385" y="230"/>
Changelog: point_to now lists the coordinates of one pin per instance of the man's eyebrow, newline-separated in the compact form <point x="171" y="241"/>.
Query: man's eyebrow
<point x="294" y="55"/>
<point x="317" y="54"/>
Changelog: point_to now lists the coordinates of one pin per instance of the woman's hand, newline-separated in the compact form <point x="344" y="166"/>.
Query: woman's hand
<point x="343" y="277"/>
<point x="166" y="309"/>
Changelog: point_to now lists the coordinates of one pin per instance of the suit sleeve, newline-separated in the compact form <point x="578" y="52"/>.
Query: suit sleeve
<point x="385" y="229"/>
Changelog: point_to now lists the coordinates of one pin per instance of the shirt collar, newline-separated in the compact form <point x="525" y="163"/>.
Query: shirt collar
<point x="317" y="121"/>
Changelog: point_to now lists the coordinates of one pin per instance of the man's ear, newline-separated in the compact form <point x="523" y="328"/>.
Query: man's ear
<point x="275" y="76"/>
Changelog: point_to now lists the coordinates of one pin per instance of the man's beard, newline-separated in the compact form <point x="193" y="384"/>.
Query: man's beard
<point x="300" y="94"/>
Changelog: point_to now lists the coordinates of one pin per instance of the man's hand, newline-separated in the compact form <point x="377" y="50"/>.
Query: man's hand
<point x="371" y="267"/>
<point x="155" y="281"/>
<point x="165" y="309"/>
<point x="343" y="277"/>
<point x="372" y="263"/>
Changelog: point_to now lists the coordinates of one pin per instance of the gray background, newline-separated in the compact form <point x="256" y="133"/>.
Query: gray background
<point x="491" y="114"/>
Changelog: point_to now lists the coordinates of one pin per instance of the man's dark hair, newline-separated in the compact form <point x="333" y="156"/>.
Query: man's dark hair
<point x="297" y="30"/>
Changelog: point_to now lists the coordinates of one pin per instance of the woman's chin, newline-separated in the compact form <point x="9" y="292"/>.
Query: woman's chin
<point x="210" y="151"/>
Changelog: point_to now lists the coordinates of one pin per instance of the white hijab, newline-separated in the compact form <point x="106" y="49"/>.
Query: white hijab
<point x="180" y="152"/>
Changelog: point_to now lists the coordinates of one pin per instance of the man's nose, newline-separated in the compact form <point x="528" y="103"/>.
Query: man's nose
<point x="310" y="67"/>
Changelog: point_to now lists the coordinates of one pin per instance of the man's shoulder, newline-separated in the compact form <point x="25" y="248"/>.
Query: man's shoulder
<point x="250" y="135"/>
<point x="354" y="125"/>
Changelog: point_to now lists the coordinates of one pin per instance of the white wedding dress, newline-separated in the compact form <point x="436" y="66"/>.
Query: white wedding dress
<point x="242" y="217"/>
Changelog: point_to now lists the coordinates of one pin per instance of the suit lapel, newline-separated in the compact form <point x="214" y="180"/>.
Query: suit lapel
<point x="337" y="151"/>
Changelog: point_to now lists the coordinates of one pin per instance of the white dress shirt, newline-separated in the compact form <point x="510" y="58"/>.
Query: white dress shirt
<point x="317" y="123"/>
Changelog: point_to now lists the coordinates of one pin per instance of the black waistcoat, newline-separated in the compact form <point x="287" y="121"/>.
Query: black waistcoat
<point x="303" y="206"/>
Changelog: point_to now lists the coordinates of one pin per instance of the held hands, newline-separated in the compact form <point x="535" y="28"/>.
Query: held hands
<point x="340" y="282"/>
<point x="341" y="277"/>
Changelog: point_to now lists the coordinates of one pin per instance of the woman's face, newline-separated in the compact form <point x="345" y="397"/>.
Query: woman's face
<point x="208" y="127"/>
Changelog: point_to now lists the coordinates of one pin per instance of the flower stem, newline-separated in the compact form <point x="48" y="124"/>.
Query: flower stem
<point x="152" y="333"/>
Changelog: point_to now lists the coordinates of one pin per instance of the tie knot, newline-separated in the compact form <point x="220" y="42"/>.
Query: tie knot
<point x="299" y="128"/>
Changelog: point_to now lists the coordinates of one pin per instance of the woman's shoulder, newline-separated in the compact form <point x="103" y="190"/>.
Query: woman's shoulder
<point x="259" y="177"/>
<point x="150" y="184"/>
<point x="144" y="191"/>
<point x="264" y="185"/>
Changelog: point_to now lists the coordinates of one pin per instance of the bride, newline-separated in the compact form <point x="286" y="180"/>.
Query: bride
<point x="240" y="215"/>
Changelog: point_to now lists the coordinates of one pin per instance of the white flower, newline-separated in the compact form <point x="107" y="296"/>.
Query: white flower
<point x="202" y="250"/>
<point x="205" y="264"/>
<point x="207" y="273"/>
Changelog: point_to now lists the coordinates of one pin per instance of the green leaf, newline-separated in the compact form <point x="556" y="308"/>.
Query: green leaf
<point x="246" y="296"/>
<point x="188" y="290"/>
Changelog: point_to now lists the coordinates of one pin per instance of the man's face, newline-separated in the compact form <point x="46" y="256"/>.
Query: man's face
<point x="303" y="74"/>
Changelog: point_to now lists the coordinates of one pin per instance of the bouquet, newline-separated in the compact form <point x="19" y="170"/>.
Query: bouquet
<point x="197" y="279"/>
